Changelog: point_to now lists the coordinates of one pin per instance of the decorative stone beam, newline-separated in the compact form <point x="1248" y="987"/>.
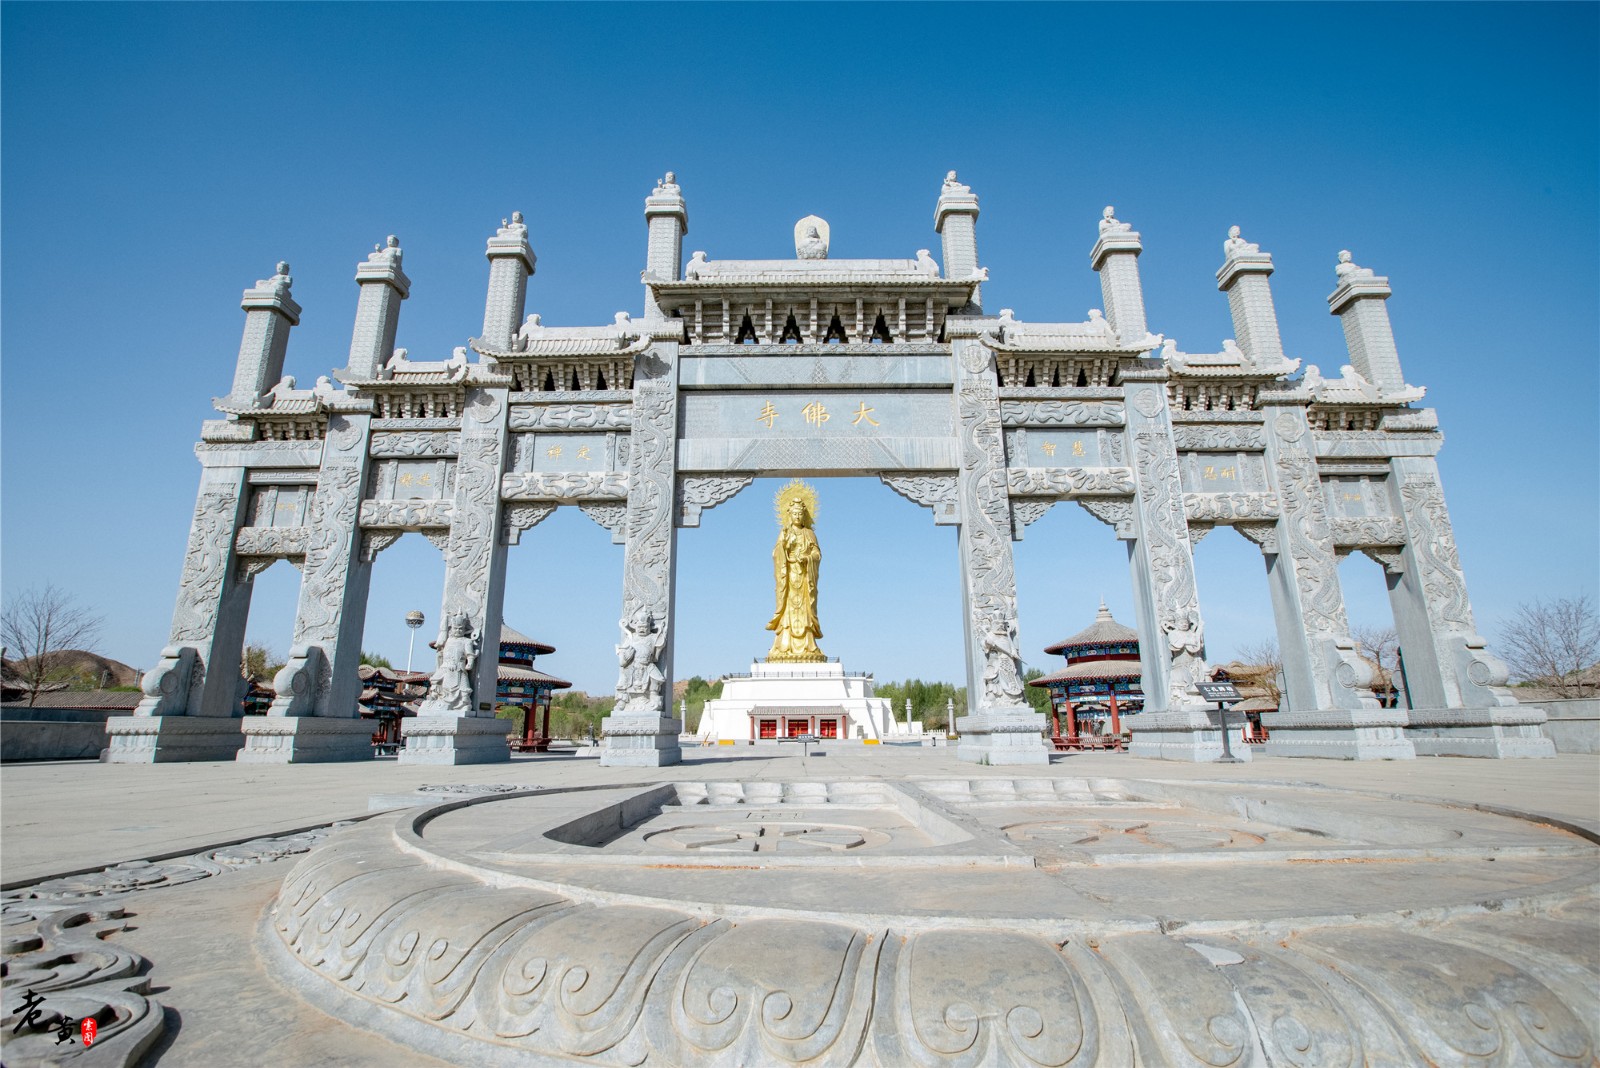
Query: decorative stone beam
<point x="935" y="492"/>
<point x="696" y="493"/>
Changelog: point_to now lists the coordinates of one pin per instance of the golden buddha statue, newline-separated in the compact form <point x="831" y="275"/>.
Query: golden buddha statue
<point x="796" y="561"/>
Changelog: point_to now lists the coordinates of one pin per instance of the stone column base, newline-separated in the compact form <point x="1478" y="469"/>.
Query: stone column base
<point x="1339" y="734"/>
<point x="1503" y="731"/>
<point x="168" y="739"/>
<point x="1002" y="736"/>
<point x="644" y="740"/>
<point x="455" y="740"/>
<point x="304" y="739"/>
<point x="1194" y="735"/>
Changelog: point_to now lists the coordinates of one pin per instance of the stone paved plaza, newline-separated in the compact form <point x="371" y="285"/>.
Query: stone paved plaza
<point x="853" y="904"/>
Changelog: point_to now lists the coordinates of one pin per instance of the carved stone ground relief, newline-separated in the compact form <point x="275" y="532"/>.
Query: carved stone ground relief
<point x="952" y="922"/>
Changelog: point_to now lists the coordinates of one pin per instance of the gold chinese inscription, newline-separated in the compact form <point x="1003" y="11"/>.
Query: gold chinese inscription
<point x="796" y="564"/>
<point x="815" y="413"/>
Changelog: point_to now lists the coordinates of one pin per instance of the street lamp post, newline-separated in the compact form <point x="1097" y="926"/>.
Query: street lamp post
<point x="414" y="620"/>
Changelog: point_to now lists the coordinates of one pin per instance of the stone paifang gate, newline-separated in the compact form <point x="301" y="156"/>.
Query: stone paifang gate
<point x="809" y="367"/>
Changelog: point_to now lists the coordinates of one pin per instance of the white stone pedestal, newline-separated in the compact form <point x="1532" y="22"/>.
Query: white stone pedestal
<point x="640" y="740"/>
<point x="1002" y="736"/>
<point x="455" y="740"/>
<point x="1340" y="734"/>
<point x="808" y="691"/>
<point x="304" y="739"/>
<point x="1504" y="731"/>
<point x="168" y="739"/>
<point x="1194" y="735"/>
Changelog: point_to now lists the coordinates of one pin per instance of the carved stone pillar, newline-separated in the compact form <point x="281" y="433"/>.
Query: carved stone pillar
<point x="1243" y="277"/>
<point x="1460" y="704"/>
<point x="1359" y="304"/>
<point x="668" y="220"/>
<point x="640" y="732"/>
<point x="466" y="731"/>
<point x="314" y="715"/>
<point x="190" y="709"/>
<point x="1175" y="723"/>
<point x="511" y="261"/>
<point x="1327" y="709"/>
<point x="383" y="286"/>
<point x="1115" y="258"/>
<point x="1000" y="727"/>
<point x="955" y="217"/>
<point x="269" y="312"/>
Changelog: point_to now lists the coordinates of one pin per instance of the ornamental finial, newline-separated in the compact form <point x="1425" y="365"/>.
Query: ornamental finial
<point x="1348" y="268"/>
<point x="1236" y="245"/>
<point x="1109" y="223"/>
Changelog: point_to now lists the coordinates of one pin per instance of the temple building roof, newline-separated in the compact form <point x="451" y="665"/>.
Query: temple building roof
<point x="526" y="675"/>
<point x="1103" y="631"/>
<point x="1088" y="670"/>
<point x="512" y="636"/>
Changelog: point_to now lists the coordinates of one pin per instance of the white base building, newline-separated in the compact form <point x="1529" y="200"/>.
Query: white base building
<point x="778" y="701"/>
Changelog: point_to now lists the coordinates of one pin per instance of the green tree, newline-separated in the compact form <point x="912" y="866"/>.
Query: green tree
<point x="695" y="695"/>
<point x="374" y="660"/>
<point x="1038" y="697"/>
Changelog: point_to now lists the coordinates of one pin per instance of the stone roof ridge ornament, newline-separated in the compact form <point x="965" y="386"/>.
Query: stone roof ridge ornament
<point x="811" y="236"/>
<point x="926" y="261"/>
<point x="1109" y="223"/>
<point x="1237" y="246"/>
<point x="697" y="266"/>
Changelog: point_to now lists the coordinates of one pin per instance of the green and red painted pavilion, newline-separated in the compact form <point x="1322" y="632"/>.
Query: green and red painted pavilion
<point x="522" y="686"/>
<point x="1100" y="681"/>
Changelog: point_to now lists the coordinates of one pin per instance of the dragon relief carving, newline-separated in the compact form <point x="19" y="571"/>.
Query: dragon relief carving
<point x="1434" y="546"/>
<point x="469" y="552"/>
<point x="1169" y="554"/>
<point x="406" y="514"/>
<point x="696" y="493"/>
<point x="391" y="445"/>
<point x="567" y="487"/>
<point x="986" y="528"/>
<point x="205" y="566"/>
<point x="1360" y="532"/>
<point x="1308" y="537"/>
<point x="1190" y="438"/>
<point x="572" y="417"/>
<point x="275" y="543"/>
<point x="648" y="560"/>
<point x="1066" y="482"/>
<point x="1228" y="507"/>
<point x="1061" y="413"/>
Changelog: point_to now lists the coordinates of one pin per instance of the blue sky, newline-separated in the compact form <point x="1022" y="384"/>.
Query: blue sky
<point x="157" y="159"/>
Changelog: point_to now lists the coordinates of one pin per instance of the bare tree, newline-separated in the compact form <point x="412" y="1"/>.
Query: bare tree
<point x="1382" y="644"/>
<point x="1264" y="654"/>
<point x="1554" y="643"/>
<point x="38" y="622"/>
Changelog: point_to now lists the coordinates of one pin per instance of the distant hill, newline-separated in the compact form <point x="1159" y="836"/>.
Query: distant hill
<point x="82" y="669"/>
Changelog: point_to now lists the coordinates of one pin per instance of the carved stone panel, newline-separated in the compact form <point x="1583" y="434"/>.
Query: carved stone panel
<point x="566" y="487"/>
<point x="1228" y="507"/>
<point x="935" y="492"/>
<point x="1064" y="483"/>
<point x="696" y="493"/>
